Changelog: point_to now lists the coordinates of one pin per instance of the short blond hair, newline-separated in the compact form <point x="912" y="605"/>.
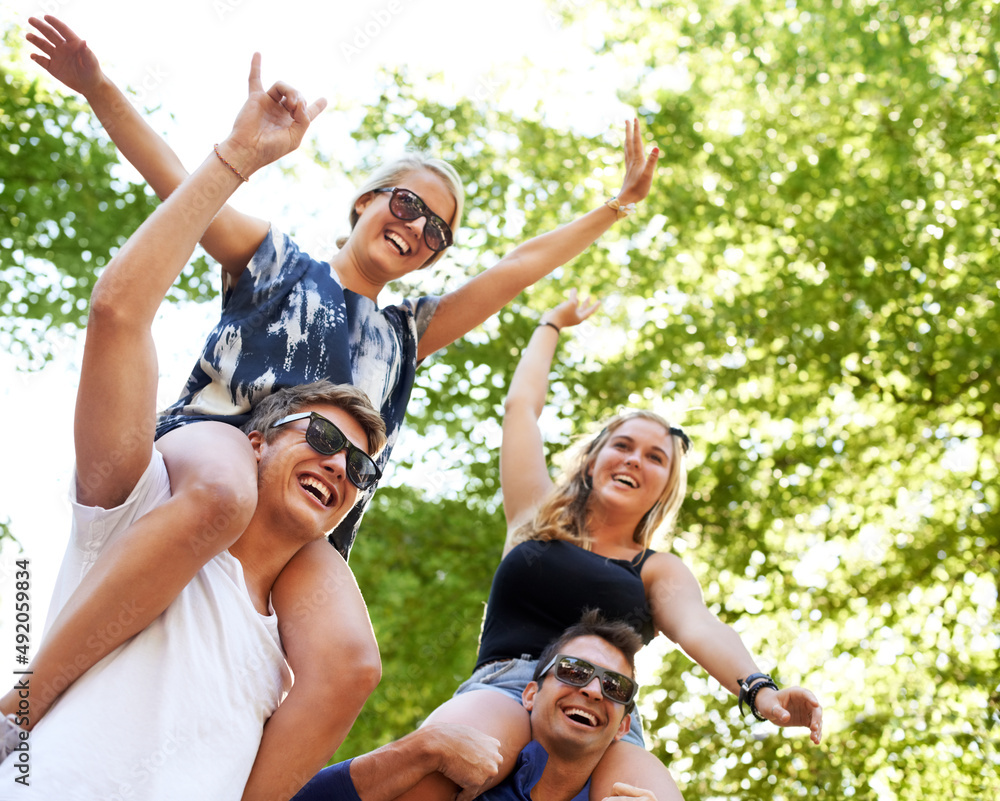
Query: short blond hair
<point x="395" y="172"/>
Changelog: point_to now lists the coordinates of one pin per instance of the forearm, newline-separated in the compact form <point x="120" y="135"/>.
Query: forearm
<point x="530" y="383"/>
<point x="536" y="258"/>
<point x="395" y="768"/>
<point x="539" y="256"/>
<point x="721" y="652"/>
<point x="291" y="750"/>
<point x="141" y="273"/>
<point x="465" y="308"/>
<point x="144" y="149"/>
<point x="381" y="775"/>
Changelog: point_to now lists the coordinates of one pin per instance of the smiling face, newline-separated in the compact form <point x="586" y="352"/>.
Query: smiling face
<point x="632" y="468"/>
<point x="577" y="723"/>
<point x="386" y="247"/>
<point x="303" y="492"/>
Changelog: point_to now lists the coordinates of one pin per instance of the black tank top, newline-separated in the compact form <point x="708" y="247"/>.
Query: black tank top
<point x="542" y="588"/>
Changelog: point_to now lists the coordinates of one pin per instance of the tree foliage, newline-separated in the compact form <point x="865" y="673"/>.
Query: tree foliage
<point x="812" y="279"/>
<point x="810" y="289"/>
<point x="63" y="211"/>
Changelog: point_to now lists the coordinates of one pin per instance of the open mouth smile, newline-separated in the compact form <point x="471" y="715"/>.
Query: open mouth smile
<point x="317" y="489"/>
<point x="397" y="242"/>
<point x="581" y="716"/>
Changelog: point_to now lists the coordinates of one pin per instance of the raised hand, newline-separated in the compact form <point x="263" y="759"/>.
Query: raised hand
<point x="571" y="311"/>
<point x="639" y="167"/>
<point x="269" y="125"/>
<point x="792" y="706"/>
<point x="65" y="56"/>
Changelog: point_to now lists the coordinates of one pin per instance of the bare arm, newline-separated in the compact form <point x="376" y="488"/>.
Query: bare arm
<point x="524" y="476"/>
<point x="462" y="753"/>
<point x="679" y="611"/>
<point x="233" y="237"/>
<point x="469" y="305"/>
<point x="117" y="395"/>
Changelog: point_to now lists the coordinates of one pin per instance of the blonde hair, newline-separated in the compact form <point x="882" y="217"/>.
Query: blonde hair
<point x="563" y="513"/>
<point x="394" y="173"/>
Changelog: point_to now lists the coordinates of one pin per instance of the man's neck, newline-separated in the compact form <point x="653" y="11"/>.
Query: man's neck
<point x="563" y="779"/>
<point x="262" y="558"/>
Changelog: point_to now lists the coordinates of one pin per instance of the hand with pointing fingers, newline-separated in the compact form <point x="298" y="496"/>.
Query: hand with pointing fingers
<point x="270" y="124"/>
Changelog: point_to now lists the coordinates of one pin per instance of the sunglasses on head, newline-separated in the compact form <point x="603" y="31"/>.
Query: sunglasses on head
<point x="674" y="430"/>
<point x="685" y="439"/>
<point x="325" y="438"/>
<point x="576" y="672"/>
<point x="407" y="205"/>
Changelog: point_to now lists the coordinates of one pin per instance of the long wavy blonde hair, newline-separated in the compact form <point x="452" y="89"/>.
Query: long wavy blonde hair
<point x="563" y="513"/>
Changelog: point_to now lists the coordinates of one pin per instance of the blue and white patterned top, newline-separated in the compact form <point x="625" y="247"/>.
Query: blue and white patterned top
<point x="288" y="321"/>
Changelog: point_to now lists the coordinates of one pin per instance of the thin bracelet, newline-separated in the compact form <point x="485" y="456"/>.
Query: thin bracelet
<point x="550" y="325"/>
<point x="231" y="167"/>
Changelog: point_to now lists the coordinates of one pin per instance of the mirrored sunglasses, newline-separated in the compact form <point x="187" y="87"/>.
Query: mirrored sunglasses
<point x="325" y="438"/>
<point x="407" y="205"/>
<point x="578" y="673"/>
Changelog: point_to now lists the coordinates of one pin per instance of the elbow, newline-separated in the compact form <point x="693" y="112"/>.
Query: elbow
<point x="108" y="309"/>
<point x="520" y="404"/>
<point x="366" y="671"/>
<point x="362" y="664"/>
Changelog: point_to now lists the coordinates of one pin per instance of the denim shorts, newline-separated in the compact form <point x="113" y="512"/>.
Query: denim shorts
<point x="511" y="676"/>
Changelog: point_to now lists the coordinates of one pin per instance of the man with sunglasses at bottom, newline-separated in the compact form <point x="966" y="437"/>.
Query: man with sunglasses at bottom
<point x="579" y="703"/>
<point x="179" y="710"/>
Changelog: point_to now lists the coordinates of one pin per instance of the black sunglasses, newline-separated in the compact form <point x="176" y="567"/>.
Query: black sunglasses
<point x="325" y="438"/>
<point x="674" y="430"/>
<point x="407" y="205"/>
<point x="685" y="439"/>
<point x="578" y="673"/>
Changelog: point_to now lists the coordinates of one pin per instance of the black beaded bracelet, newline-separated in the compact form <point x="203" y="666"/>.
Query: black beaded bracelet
<point x="550" y="325"/>
<point x="752" y="696"/>
<point x="748" y="693"/>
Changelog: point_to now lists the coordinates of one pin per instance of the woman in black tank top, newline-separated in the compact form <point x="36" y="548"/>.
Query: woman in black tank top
<point x="583" y="541"/>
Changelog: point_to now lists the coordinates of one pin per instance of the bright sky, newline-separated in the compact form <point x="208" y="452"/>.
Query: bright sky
<point x="189" y="59"/>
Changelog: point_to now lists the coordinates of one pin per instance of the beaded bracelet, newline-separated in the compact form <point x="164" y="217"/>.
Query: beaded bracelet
<point x="620" y="209"/>
<point x="748" y="693"/>
<point x="231" y="167"/>
<point x="752" y="696"/>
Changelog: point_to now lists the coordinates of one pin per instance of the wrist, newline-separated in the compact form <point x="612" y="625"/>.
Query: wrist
<point x="750" y="687"/>
<point x="103" y="90"/>
<point x="543" y="323"/>
<point x="433" y="747"/>
<point x="621" y="206"/>
<point x="236" y="158"/>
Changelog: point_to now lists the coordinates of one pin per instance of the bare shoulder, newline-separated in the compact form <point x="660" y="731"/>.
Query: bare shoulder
<point x="663" y="564"/>
<point x="670" y="586"/>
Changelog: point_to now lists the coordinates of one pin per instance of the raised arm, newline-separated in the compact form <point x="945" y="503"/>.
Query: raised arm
<point x="115" y="408"/>
<point x="469" y="305"/>
<point x="233" y="237"/>
<point x="524" y="476"/>
<point x="679" y="611"/>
